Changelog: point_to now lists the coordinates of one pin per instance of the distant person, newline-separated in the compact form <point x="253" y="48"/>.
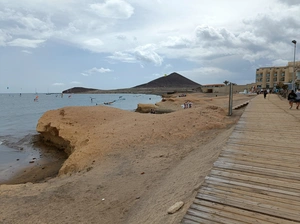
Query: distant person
<point x="297" y="98"/>
<point x="292" y="98"/>
<point x="265" y="93"/>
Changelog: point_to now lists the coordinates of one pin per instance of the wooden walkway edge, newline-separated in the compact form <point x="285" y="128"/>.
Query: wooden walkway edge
<point x="256" y="178"/>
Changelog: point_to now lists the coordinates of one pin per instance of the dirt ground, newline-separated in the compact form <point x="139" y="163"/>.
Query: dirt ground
<point x="124" y="167"/>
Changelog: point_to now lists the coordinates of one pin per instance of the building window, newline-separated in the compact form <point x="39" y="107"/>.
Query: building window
<point x="275" y="75"/>
<point x="268" y="80"/>
<point x="282" y="79"/>
<point x="268" y="75"/>
<point x="283" y="74"/>
<point x="275" y="79"/>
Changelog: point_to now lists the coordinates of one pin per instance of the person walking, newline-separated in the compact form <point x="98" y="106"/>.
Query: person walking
<point x="265" y="93"/>
<point x="297" y="100"/>
<point x="292" y="98"/>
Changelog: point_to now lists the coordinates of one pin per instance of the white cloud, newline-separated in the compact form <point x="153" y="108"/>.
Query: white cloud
<point x="94" y="44"/>
<point x="121" y="37"/>
<point x="96" y="70"/>
<point x="4" y="37"/>
<point x="123" y="57"/>
<point x="208" y="75"/>
<point x="27" y="52"/>
<point x="116" y="9"/>
<point x="290" y="2"/>
<point x="151" y="33"/>
<point x="280" y="62"/>
<point x="147" y="53"/>
<point x="27" y="43"/>
<point x="176" y="42"/>
<point x="207" y="33"/>
<point x="18" y="23"/>
<point x="58" y="84"/>
<point x="75" y="82"/>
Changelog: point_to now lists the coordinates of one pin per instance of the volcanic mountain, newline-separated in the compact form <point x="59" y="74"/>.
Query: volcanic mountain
<point x="79" y="90"/>
<point x="167" y="83"/>
<point x="173" y="80"/>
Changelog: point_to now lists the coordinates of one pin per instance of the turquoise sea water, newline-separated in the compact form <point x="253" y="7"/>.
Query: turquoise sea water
<point x="19" y="115"/>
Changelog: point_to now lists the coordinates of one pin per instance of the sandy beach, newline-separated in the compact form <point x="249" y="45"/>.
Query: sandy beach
<point x="124" y="167"/>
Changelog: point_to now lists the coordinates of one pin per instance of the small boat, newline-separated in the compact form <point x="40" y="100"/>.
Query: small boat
<point x="109" y="103"/>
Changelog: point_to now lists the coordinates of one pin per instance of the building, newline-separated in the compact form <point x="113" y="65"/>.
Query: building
<point x="269" y="77"/>
<point x="211" y="88"/>
<point x="224" y="89"/>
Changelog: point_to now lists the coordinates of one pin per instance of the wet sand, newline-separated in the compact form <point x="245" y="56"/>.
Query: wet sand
<point x="39" y="163"/>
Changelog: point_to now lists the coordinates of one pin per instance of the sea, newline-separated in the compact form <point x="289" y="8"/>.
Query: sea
<point x="19" y="114"/>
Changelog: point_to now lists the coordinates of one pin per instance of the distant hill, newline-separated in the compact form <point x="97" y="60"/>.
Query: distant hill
<point x="79" y="90"/>
<point x="169" y="83"/>
<point x="173" y="80"/>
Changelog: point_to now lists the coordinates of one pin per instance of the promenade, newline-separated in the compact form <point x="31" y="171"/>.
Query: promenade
<point x="256" y="178"/>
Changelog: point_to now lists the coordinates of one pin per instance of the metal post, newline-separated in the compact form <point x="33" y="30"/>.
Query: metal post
<point x="293" y="81"/>
<point x="230" y="99"/>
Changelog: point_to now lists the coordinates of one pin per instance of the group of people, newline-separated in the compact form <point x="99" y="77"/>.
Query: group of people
<point x="294" y="98"/>
<point x="187" y="104"/>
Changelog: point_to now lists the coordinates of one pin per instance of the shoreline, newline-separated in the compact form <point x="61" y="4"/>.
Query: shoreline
<point x="40" y="167"/>
<point x="125" y="167"/>
<point x="48" y="167"/>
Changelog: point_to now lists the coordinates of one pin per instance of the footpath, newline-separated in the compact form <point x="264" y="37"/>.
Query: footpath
<point x="256" y="178"/>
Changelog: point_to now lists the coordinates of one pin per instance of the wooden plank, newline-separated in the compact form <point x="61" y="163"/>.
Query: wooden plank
<point x="256" y="186"/>
<point x="192" y="218"/>
<point x="228" y="187"/>
<point x="284" y="151"/>
<point x="258" y="137"/>
<point x="255" y="143"/>
<point x="261" y="218"/>
<point x="213" y="217"/>
<point x="254" y="194"/>
<point x="254" y="197"/>
<point x="257" y="178"/>
<point x="258" y="170"/>
<point x="263" y="208"/>
<point x="261" y="159"/>
<point x="285" y="154"/>
<point x="262" y="154"/>
<point x="280" y="166"/>
<point x="228" y="214"/>
<point x="231" y="158"/>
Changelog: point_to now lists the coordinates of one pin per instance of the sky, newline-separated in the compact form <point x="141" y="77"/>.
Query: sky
<point x="54" y="45"/>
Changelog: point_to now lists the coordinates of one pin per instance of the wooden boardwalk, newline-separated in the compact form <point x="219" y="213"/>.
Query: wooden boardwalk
<point x="256" y="178"/>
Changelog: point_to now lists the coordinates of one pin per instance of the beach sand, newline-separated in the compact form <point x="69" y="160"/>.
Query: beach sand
<point x="124" y="167"/>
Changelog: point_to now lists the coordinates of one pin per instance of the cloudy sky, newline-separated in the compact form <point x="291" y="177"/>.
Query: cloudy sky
<point x="53" y="45"/>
